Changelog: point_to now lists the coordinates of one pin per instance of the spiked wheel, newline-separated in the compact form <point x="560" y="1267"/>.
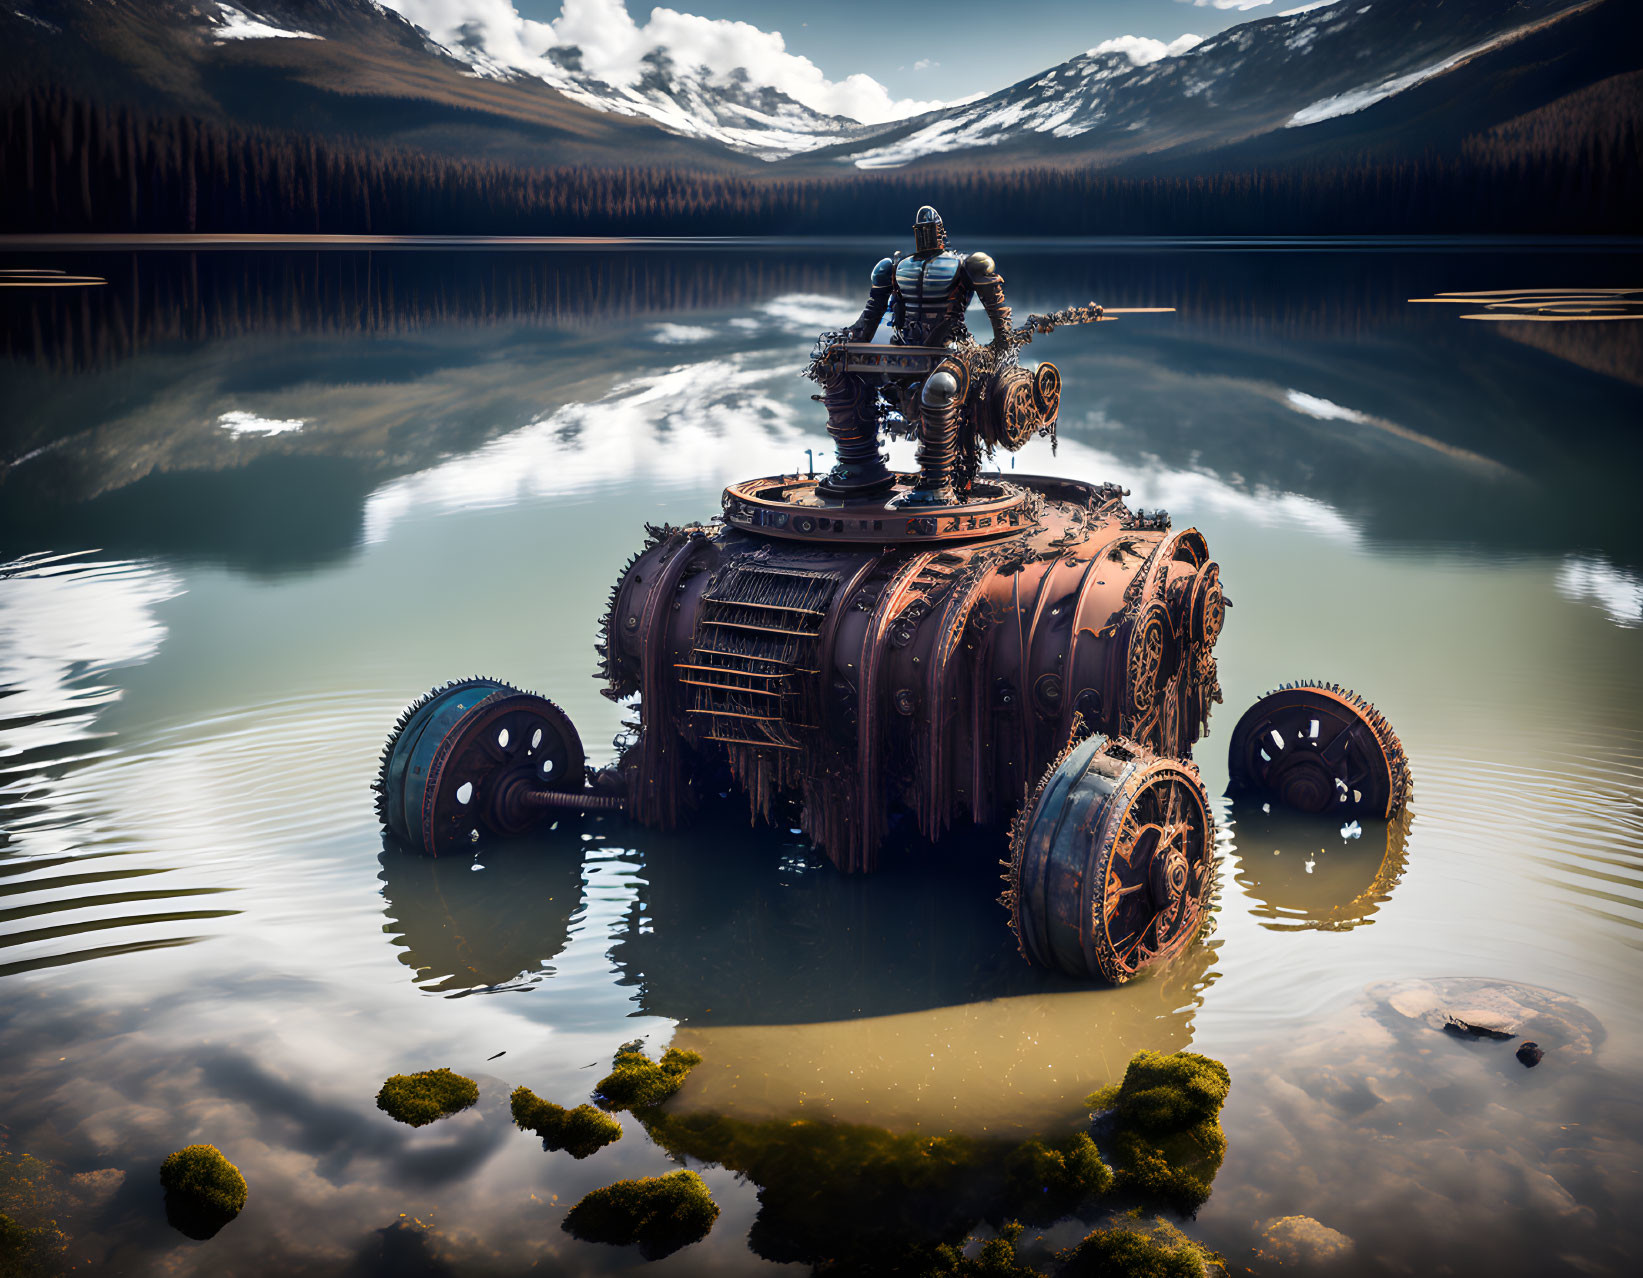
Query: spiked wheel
<point x="1111" y="862"/>
<point x="1319" y="747"/>
<point x="464" y="757"/>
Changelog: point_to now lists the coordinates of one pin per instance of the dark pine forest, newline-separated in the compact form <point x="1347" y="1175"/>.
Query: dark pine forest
<point x="72" y="165"/>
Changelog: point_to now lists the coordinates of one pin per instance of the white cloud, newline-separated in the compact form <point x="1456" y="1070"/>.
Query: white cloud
<point x="1226" y="4"/>
<point x="679" y="334"/>
<point x="65" y="622"/>
<point x="925" y="64"/>
<point x="240" y="422"/>
<point x="810" y="312"/>
<point x="1324" y="410"/>
<point x="1144" y="49"/>
<point x="1618" y="592"/>
<point x="613" y="47"/>
<point x="715" y="419"/>
<point x="1191" y="495"/>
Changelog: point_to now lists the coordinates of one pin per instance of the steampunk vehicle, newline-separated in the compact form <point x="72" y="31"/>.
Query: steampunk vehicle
<point x="947" y="647"/>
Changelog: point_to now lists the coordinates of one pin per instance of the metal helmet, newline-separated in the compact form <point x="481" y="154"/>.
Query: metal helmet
<point x="929" y="235"/>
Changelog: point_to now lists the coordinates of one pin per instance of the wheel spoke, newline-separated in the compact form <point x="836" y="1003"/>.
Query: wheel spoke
<point x="1115" y="899"/>
<point x="1354" y="764"/>
<point x="1152" y="922"/>
<point x="1172" y="812"/>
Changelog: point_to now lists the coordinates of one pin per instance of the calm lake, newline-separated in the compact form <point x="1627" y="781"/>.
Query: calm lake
<point x="254" y="501"/>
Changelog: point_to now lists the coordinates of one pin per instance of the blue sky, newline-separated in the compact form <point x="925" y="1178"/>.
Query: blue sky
<point x="965" y="45"/>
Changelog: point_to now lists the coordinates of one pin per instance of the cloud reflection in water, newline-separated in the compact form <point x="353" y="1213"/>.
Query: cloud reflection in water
<point x="1618" y="592"/>
<point x="685" y="427"/>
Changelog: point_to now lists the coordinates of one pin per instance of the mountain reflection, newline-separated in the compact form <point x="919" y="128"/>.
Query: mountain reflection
<point x="142" y="412"/>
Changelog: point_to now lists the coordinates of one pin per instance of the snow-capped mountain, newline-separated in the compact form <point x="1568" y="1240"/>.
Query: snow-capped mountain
<point x="596" y="87"/>
<point x="697" y="76"/>
<point x="727" y="108"/>
<point x="1321" y="62"/>
<point x="1124" y="98"/>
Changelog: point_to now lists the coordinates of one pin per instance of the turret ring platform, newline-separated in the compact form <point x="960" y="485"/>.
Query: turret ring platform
<point x="793" y="506"/>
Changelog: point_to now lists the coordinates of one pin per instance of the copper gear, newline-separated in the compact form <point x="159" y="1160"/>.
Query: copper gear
<point x="462" y="757"/>
<point x="1319" y="747"/>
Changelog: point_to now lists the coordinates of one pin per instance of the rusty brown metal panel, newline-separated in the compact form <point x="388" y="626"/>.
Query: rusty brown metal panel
<point x="934" y="672"/>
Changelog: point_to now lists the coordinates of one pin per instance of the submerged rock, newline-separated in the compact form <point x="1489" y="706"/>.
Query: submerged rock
<point x="1493" y="1009"/>
<point x="579" y="1132"/>
<point x="408" y="1248"/>
<point x="419" y="1099"/>
<point x="660" y="1213"/>
<point x="1303" y="1241"/>
<point x="1479" y="1025"/>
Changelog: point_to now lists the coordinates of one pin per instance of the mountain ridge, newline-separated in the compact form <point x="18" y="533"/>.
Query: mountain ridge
<point x="357" y="67"/>
<point x="304" y="116"/>
<point x="1094" y="109"/>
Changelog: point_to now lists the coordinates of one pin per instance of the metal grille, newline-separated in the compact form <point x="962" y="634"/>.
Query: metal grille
<point x="757" y="633"/>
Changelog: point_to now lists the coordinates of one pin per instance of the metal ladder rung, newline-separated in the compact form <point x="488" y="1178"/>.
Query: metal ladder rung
<point x="740" y="656"/>
<point x="760" y="745"/>
<point x="763" y="630"/>
<point x="730" y="687"/>
<point x="731" y="670"/>
<point x="748" y="603"/>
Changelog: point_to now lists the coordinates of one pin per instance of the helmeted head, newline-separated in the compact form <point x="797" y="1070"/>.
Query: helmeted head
<point x="929" y="235"/>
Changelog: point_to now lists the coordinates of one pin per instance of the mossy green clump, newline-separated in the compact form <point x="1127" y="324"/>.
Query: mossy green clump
<point x="1047" y="1180"/>
<point x="1168" y="1139"/>
<point x="637" y="1082"/>
<point x="853" y="1198"/>
<point x="901" y="1193"/>
<point x="660" y="1213"/>
<point x="995" y="1259"/>
<point x="200" y="1174"/>
<point x="579" y="1132"/>
<point x="1135" y="1251"/>
<point x="32" y="1198"/>
<point x="1166" y="1092"/>
<point x="418" y="1099"/>
<point x="29" y="1250"/>
<point x="1178" y="1169"/>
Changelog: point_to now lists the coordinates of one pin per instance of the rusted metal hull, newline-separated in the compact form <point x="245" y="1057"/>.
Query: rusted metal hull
<point x="936" y="676"/>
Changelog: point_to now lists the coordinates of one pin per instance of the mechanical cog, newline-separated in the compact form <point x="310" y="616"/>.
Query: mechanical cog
<point x="1124" y="838"/>
<point x="379" y="787"/>
<point x="473" y="754"/>
<point x="1319" y="747"/>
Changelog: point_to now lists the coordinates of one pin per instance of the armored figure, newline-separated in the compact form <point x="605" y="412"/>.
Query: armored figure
<point x="926" y="293"/>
